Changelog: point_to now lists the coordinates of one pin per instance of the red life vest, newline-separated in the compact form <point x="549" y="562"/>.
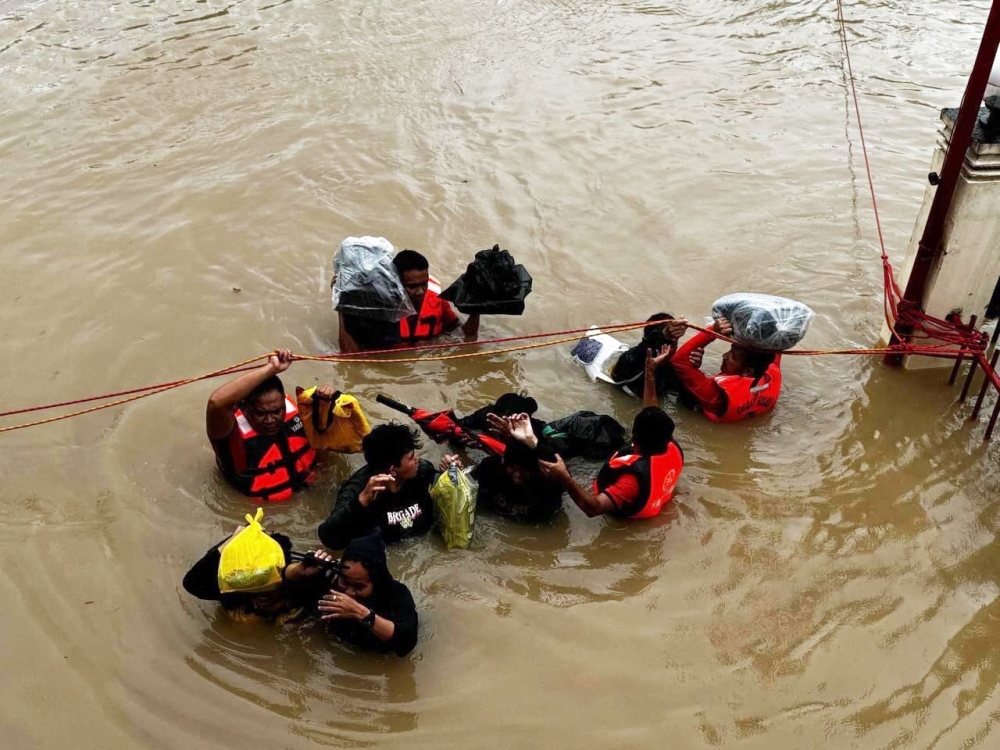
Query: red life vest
<point x="271" y="468"/>
<point x="657" y="476"/>
<point x="746" y="399"/>
<point x="430" y="320"/>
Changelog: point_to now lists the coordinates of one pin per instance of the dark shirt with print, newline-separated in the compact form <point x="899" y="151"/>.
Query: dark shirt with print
<point x="409" y="512"/>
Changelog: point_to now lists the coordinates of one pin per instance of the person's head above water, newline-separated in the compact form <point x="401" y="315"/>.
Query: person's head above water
<point x="740" y="360"/>
<point x="414" y="273"/>
<point x="363" y="569"/>
<point x="652" y="431"/>
<point x="392" y="449"/>
<point x="656" y="336"/>
<point x="265" y="407"/>
<point x="520" y="462"/>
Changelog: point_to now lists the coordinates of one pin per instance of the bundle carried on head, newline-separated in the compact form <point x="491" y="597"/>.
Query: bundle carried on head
<point x="763" y="321"/>
<point x="367" y="283"/>
<point x="493" y="284"/>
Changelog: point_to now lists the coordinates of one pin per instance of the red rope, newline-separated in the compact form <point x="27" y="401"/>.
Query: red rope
<point x="956" y="340"/>
<point x="616" y="328"/>
<point x="898" y="312"/>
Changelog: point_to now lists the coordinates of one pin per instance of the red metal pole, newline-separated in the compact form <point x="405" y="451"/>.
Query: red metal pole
<point x="961" y="137"/>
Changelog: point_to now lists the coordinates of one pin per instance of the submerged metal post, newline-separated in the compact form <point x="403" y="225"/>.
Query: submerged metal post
<point x="954" y="370"/>
<point x="973" y="365"/>
<point x="993" y="419"/>
<point x="987" y="382"/>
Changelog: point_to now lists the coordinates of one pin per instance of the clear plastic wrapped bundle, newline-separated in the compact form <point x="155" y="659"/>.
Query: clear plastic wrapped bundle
<point x="763" y="321"/>
<point x="367" y="283"/>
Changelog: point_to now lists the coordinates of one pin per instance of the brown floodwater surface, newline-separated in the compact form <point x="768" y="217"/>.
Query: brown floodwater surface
<point x="827" y="576"/>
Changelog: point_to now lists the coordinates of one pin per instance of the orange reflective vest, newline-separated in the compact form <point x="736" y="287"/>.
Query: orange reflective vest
<point x="657" y="476"/>
<point x="430" y="321"/>
<point x="271" y="468"/>
<point x="746" y="398"/>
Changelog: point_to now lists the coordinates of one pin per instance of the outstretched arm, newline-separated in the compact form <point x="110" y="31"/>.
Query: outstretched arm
<point x="587" y="501"/>
<point x="345" y="341"/>
<point x="219" y="419"/>
<point x="699" y="385"/>
<point x="471" y="327"/>
<point x="649" y="395"/>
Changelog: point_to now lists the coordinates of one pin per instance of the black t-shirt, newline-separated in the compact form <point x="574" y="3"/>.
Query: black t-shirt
<point x="407" y="513"/>
<point x="393" y="602"/>
<point x="538" y="499"/>
<point x="630" y="372"/>
<point x="372" y="334"/>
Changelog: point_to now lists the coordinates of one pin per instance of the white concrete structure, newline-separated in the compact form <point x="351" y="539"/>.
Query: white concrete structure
<point x="965" y="274"/>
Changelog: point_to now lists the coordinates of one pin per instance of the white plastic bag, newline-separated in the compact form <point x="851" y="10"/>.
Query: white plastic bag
<point x="763" y="321"/>
<point x="367" y="283"/>
<point x="597" y="353"/>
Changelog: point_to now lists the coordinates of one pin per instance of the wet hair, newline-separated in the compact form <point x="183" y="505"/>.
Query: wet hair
<point x="385" y="446"/>
<point x="369" y="551"/>
<point x="409" y="260"/>
<point x="515" y="403"/>
<point x="273" y="383"/>
<point x="652" y="430"/>
<point x="758" y="361"/>
<point x="655" y="333"/>
<point x="520" y="455"/>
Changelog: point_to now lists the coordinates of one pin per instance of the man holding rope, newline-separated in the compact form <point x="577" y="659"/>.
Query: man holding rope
<point x="748" y="384"/>
<point x="259" y="441"/>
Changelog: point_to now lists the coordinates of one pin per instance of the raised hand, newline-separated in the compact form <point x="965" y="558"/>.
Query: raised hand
<point x="339" y="606"/>
<point x="500" y="425"/>
<point x="676" y="328"/>
<point x="307" y="567"/>
<point x="665" y="353"/>
<point x="556" y="470"/>
<point x="723" y="326"/>
<point x="378" y="483"/>
<point x="281" y="360"/>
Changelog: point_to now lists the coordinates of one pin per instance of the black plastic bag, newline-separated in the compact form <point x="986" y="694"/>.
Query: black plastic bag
<point x="507" y="405"/>
<point x="493" y="284"/>
<point x="585" y="434"/>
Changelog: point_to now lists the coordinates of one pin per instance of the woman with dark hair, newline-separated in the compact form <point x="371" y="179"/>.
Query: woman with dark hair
<point x="367" y="607"/>
<point x="638" y="483"/>
<point x="513" y="485"/>
<point x="390" y="493"/>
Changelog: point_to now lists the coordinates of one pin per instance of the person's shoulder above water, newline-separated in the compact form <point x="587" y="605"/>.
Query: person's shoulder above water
<point x="367" y="606"/>
<point x="251" y="417"/>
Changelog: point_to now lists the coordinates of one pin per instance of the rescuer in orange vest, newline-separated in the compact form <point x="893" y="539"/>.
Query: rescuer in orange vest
<point x="748" y="384"/>
<point x="260" y="443"/>
<point x="639" y="482"/>
<point x="433" y="317"/>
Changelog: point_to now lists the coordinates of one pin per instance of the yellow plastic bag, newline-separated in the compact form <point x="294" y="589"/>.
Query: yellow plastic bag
<point x="337" y="426"/>
<point x="454" y="494"/>
<point x="251" y="561"/>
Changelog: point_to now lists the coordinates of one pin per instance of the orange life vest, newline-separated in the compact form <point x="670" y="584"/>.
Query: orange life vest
<point x="273" y="467"/>
<point x="744" y="398"/>
<point x="429" y="320"/>
<point x="657" y="477"/>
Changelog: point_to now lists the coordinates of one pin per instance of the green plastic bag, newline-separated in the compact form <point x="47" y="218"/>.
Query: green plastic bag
<point x="454" y="495"/>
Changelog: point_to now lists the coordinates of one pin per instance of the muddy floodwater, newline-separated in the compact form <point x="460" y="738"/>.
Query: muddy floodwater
<point x="174" y="179"/>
